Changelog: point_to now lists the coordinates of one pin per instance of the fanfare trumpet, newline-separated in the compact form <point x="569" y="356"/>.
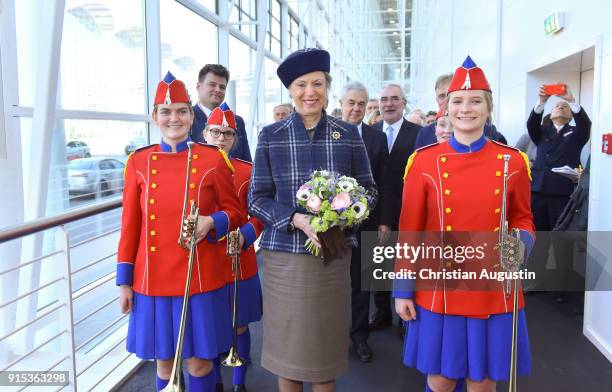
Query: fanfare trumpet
<point x="233" y="251"/>
<point x="509" y="256"/>
<point x="187" y="240"/>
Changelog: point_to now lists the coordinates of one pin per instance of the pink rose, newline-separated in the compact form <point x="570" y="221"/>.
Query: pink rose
<point x="342" y="200"/>
<point x="313" y="203"/>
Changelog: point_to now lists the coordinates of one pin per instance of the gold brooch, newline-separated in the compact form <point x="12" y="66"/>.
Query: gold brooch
<point x="336" y="135"/>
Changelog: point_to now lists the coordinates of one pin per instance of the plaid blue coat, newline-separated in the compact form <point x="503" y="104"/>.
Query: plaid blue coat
<point x="284" y="160"/>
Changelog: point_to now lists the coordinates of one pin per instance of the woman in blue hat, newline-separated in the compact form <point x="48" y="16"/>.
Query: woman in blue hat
<point x="306" y="302"/>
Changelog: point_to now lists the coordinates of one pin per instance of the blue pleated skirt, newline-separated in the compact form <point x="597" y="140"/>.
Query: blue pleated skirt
<point x="154" y="325"/>
<point x="249" y="300"/>
<point x="458" y="346"/>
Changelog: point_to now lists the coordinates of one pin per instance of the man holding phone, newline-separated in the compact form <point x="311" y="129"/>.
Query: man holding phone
<point x="558" y="144"/>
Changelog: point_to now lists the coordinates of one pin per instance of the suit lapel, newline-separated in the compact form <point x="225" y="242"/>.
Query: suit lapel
<point x="365" y="135"/>
<point x="399" y="140"/>
<point x="200" y="113"/>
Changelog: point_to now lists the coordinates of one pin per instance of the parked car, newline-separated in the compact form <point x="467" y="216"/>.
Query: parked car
<point x="76" y="149"/>
<point x="135" y="145"/>
<point x="97" y="177"/>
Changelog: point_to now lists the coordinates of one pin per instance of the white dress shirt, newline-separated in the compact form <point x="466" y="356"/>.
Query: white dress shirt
<point x="396" y="128"/>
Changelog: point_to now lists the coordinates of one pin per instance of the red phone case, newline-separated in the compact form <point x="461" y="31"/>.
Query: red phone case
<point x="554" y="89"/>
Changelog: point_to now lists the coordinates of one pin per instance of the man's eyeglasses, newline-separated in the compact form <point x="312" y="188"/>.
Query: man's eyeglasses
<point x="393" y="99"/>
<point x="216" y="133"/>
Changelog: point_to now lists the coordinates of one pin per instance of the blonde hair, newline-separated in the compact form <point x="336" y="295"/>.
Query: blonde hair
<point x="488" y="98"/>
<point x="370" y="120"/>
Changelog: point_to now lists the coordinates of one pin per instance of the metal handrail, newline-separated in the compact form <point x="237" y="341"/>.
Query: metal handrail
<point x="92" y="286"/>
<point x="32" y="351"/>
<point x="93" y="263"/>
<point x="28" y="228"/>
<point x="34" y="260"/>
<point x="26" y="294"/>
<point x="112" y="370"/>
<point x="101" y="332"/>
<point x="27" y="324"/>
<point x="76" y="244"/>
<point x="88" y="315"/>
<point x="101" y="356"/>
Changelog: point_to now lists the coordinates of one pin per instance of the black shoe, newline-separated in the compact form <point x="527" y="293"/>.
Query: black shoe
<point x="239" y="388"/>
<point x="380" y="321"/>
<point x="363" y="351"/>
<point x="219" y="387"/>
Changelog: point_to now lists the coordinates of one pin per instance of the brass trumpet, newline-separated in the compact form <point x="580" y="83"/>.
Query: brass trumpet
<point x="509" y="254"/>
<point x="187" y="240"/>
<point x="233" y="251"/>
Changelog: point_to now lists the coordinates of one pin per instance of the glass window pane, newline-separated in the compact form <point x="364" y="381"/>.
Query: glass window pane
<point x="273" y="89"/>
<point x="276" y="47"/>
<point x="242" y="66"/>
<point x="276" y="28"/>
<point x="249" y="7"/>
<point x="210" y="4"/>
<point x="27" y="20"/>
<point x="94" y="170"/>
<point x="187" y="45"/>
<point x="103" y="57"/>
<point x="276" y="9"/>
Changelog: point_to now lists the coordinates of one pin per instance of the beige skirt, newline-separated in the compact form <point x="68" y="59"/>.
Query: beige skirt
<point x="306" y="316"/>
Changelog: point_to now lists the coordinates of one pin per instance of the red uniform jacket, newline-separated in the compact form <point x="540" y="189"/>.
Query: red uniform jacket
<point x="149" y="257"/>
<point x="446" y="190"/>
<point x="253" y="228"/>
<point x="250" y="230"/>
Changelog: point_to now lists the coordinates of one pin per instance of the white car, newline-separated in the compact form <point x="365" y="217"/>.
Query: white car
<point x="76" y="149"/>
<point x="97" y="177"/>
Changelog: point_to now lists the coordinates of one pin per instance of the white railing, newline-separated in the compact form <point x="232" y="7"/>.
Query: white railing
<point x="75" y="327"/>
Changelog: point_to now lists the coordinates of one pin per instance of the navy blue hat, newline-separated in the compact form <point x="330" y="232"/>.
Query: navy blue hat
<point x="301" y="62"/>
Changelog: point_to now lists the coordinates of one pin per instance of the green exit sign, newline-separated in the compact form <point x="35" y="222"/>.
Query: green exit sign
<point x="553" y="23"/>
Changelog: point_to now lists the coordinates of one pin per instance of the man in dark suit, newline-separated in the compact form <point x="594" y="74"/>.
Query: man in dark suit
<point x="558" y="144"/>
<point x="353" y="103"/>
<point x="427" y="135"/>
<point x="401" y="135"/>
<point x="211" y="86"/>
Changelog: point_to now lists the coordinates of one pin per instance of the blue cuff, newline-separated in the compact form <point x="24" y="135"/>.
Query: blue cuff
<point x="529" y="241"/>
<point x="221" y="223"/>
<point x="125" y="273"/>
<point x="249" y="234"/>
<point x="403" y="288"/>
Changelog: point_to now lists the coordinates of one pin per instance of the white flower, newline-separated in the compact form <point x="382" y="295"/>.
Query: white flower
<point x="303" y="193"/>
<point x="346" y="185"/>
<point x="321" y="192"/>
<point x="360" y="209"/>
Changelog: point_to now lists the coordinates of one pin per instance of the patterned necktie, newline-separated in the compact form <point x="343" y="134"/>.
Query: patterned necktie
<point x="390" y="137"/>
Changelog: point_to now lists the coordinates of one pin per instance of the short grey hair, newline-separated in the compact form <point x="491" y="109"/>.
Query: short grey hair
<point x="353" y="86"/>
<point x="443" y="79"/>
<point x="397" y="86"/>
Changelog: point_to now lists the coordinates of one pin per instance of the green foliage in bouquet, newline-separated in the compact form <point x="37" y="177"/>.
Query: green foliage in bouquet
<point x="333" y="200"/>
